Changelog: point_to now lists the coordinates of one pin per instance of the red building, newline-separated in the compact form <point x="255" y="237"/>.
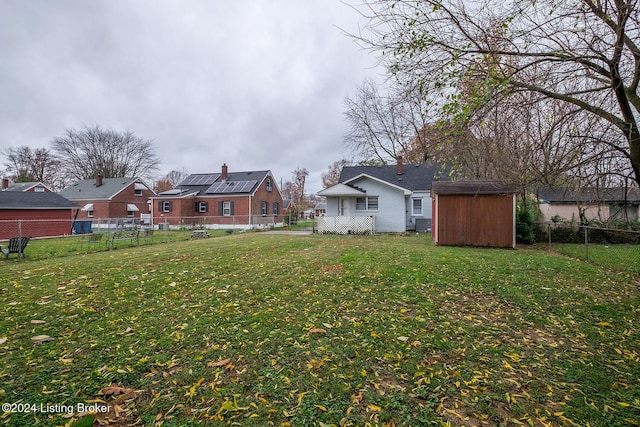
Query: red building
<point x="109" y="198"/>
<point x="224" y="199"/>
<point x="35" y="214"/>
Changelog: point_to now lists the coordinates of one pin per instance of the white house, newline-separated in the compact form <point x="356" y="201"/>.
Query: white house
<point x="387" y="199"/>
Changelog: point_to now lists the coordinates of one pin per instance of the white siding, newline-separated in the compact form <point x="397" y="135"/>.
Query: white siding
<point x="391" y="213"/>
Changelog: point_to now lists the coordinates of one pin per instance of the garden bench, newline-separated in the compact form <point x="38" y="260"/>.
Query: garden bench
<point x="16" y="246"/>
<point x="130" y="235"/>
<point x="92" y="239"/>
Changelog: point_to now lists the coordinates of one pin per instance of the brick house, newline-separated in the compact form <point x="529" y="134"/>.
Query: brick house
<point x="110" y="198"/>
<point x="35" y="214"/>
<point x="221" y="200"/>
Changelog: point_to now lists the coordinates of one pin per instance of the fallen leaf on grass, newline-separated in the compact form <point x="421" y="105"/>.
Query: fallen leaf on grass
<point x="38" y="339"/>
<point x="115" y="389"/>
<point x="219" y="363"/>
<point x="317" y="331"/>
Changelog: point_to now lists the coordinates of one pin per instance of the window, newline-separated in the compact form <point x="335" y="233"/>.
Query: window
<point x="417" y="207"/>
<point x="226" y="208"/>
<point x="367" y="203"/>
<point x="130" y="214"/>
<point x="39" y="189"/>
<point x="268" y="185"/>
<point x="276" y="208"/>
<point x="90" y="213"/>
<point x="166" y="206"/>
<point x="264" y="207"/>
<point x="138" y="188"/>
<point x="202" y="207"/>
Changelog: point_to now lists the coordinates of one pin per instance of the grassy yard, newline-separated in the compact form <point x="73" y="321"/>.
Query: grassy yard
<point x="257" y="329"/>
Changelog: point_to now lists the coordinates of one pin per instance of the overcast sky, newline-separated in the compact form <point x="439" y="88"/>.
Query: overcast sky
<point x="255" y="84"/>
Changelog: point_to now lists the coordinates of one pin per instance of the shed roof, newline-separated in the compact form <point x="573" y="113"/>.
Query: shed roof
<point x="33" y="200"/>
<point x="473" y="188"/>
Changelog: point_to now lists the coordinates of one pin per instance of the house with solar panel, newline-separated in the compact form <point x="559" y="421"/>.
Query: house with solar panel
<point x="220" y="200"/>
<point x="110" y="198"/>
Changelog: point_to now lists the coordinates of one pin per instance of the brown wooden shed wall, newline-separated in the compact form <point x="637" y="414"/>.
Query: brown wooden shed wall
<point x="475" y="220"/>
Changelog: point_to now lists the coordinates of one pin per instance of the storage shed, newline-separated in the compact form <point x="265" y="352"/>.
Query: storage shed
<point x="474" y="213"/>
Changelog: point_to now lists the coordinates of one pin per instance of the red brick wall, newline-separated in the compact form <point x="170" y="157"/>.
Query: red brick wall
<point x="35" y="222"/>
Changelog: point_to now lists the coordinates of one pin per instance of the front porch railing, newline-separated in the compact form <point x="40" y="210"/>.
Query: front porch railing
<point x="347" y="224"/>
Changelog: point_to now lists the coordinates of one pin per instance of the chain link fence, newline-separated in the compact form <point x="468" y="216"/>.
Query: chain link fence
<point x="618" y="248"/>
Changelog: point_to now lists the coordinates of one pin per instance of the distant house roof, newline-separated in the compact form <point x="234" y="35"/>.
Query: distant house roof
<point x="288" y="203"/>
<point x="87" y="189"/>
<point x="472" y="188"/>
<point x="412" y="177"/>
<point x="26" y="186"/>
<point x="212" y="184"/>
<point x="587" y="195"/>
<point x="32" y="200"/>
<point x="320" y="206"/>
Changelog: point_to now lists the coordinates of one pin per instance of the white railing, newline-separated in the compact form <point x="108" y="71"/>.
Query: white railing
<point x="347" y="224"/>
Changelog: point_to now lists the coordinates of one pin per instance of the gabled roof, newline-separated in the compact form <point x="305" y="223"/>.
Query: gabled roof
<point x="26" y="186"/>
<point x="413" y="177"/>
<point x="33" y="200"/>
<point x="341" y="190"/>
<point x="588" y="195"/>
<point x="212" y="184"/>
<point x="87" y="189"/>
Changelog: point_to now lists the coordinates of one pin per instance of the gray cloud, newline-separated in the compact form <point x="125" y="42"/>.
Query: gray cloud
<point x="250" y="83"/>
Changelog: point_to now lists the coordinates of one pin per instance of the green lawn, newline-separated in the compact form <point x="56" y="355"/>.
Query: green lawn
<point x="257" y="329"/>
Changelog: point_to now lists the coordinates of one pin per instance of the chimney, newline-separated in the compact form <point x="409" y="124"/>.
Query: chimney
<point x="225" y="172"/>
<point x="98" y="180"/>
<point x="5" y="183"/>
<point x="399" y="165"/>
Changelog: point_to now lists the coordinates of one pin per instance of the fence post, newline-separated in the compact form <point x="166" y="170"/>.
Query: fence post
<point x="586" y="242"/>
<point x="19" y="228"/>
<point x="549" y="234"/>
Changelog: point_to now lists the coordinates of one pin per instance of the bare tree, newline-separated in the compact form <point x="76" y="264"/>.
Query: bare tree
<point x="332" y="175"/>
<point x="26" y="165"/>
<point x="93" y="151"/>
<point x="581" y="52"/>
<point x="294" y="189"/>
<point x="383" y="125"/>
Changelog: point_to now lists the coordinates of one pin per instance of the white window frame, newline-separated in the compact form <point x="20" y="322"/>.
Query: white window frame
<point x="413" y="207"/>
<point x="166" y="206"/>
<point x="268" y="185"/>
<point x="202" y="207"/>
<point x="90" y="214"/>
<point x="370" y="204"/>
<point x="226" y="208"/>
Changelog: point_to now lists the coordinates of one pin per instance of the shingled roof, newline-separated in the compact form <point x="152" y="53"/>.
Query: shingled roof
<point x="212" y="184"/>
<point x="87" y="189"/>
<point x="33" y="200"/>
<point x="412" y="177"/>
<point x="585" y="195"/>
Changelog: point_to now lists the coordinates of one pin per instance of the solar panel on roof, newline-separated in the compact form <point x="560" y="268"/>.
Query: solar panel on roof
<point x="231" y="187"/>
<point x="200" y="179"/>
